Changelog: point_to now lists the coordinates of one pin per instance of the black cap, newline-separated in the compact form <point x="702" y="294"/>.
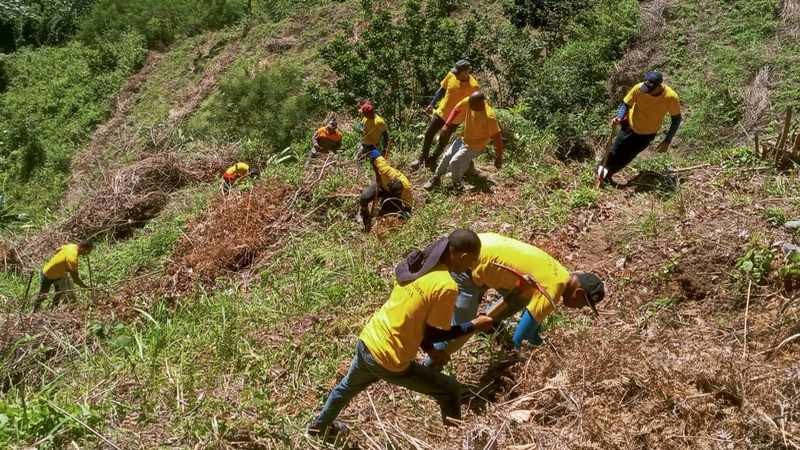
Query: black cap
<point x="652" y="80"/>
<point x="461" y="66"/>
<point x="594" y="288"/>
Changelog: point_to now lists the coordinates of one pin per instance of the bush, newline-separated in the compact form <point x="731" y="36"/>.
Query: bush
<point x="158" y="20"/>
<point x="272" y="107"/>
<point x="39" y="23"/>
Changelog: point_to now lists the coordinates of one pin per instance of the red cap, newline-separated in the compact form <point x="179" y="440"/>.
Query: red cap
<point x="366" y="107"/>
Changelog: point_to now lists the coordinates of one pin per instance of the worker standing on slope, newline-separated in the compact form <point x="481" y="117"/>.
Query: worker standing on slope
<point x="480" y="127"/>
<point x="375" y="134"/>
<point x="236" y="172"/>
<point x="418" y="312"/>
<point x="640" y="116"/>
<point x="54" y="272"/>
<point x="502" y="265"/>
<point x="327" y="138"/>
<point x="457" y="85"/>
<point x="389" y="193"/>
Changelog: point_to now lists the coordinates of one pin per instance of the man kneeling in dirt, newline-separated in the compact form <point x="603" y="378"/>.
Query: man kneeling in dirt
<point x="326" y="139"/>
<point x="640" y="116"/>
<point x="418" y="313"/>
<point x="528" y="279"/>
<point x="235" y="173"/>
<point x="389" y="193"/>
<point x="55" y="271"/>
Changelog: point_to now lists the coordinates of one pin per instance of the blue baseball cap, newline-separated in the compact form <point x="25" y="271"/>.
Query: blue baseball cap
<point x="652" y="80"/>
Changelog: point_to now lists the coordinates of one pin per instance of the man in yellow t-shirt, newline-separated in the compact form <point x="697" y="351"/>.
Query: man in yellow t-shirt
<point x="417" y="310"/>
<point x="236" y="172"/>
<point x="501" y="264"/>
<point x="389" y="193"/>
<point x="64" y="262"/>
<point x="457" y="85"/>
<point x="480" y="127"/>
<point x="640" y="116"/>
<point x="375" y="134"/>
<point x="327" y="138"/>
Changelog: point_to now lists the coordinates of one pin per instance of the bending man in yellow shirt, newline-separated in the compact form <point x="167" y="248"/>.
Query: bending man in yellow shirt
<point x="640" y="116"/>
<point x="500" y="265"/>
<point x="456" y="86"/>
<point x="480" y="127"/>
<point x="389" y="193"/>
<point x="64" y="262"/>
<point x="236" y="172"/>
<point x="417" y="314"/>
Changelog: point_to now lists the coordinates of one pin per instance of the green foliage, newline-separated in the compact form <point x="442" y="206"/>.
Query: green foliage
<point x="159" y="21"/>
<point x="755" y="264"/>
<point x="36" y="23"/>
<point x="775" y="216"/>
<point x="55" y="97"/>
<point x="790" y="270"/>
<point x="569" y="89"/>
<point x="272" y="107"/>
<point x="397" y="63"/>
<point x="549" y="15"/>
<point x="27" y="420"/>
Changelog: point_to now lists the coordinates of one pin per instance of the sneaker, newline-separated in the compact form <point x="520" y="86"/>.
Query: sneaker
<point x="430" y="184"/>
<point x="416" y="164"/>
<point x="328" y="432"/>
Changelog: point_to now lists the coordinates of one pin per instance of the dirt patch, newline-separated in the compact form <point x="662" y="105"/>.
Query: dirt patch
<point x="235" y="233"/>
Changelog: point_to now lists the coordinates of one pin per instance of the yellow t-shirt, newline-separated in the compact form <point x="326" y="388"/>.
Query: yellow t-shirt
<point x="373" y="130"/>
<point x="647" y="112"/>
<point x="394" y="333"/>
<point x="239" y="169"/>
<point x="389" y="173"/>
<point x="525" y="258"/>
<point x="65" y="260"/>
<point x="479" y="126"/>
<point x="455" y="91"/>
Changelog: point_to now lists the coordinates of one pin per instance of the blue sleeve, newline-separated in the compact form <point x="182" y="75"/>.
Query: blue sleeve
<point x="527" y="330"/>
<point x="623" y="109"/>
<point x="437" y="96"/>
<point x="433" y="335"/>
<point x="673" y="127"/>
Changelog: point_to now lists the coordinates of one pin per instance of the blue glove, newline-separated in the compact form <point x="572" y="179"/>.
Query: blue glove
<point x="375" y="154"/>
<point x="527" y="330"/>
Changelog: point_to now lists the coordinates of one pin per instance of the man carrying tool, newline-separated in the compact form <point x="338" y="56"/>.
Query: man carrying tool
<point x="419" y="312"/>
<point x="375" y="134"/>
<point x="457" y="85"/>
<point x="389" y="193"/>
<point x="480" y="127"/>
<point x="327" y="138"/>
<point x="640" y="116"/>
<point x="236" y="172"/>
<point x="528" y="279"/>
<point x="55" y="271"/>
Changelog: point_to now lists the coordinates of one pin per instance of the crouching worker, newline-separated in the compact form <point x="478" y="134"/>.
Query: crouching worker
<point x="326" y="139"/>
<point x="388" y="344"/>
<point x="528" y="279"/>
<point x="64" y="262"/>
<point x="389" y="193"/>
<point x="235" y="173"/>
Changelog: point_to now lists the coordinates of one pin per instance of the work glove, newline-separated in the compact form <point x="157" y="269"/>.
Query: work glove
<point x="602" y="172"/>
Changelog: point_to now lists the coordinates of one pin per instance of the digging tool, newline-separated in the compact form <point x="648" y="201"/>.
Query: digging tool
<point x="524" y="279"/>
<point x="91" y="278"/>
<point x="27" y="290"/>
<point x="602" y="169"/>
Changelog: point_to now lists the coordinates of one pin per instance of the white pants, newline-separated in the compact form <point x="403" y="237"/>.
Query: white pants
<point x="456" y="159"/>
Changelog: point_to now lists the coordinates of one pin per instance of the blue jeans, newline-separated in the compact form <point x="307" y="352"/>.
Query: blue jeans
<point x="364" y="370"/>
<point x="527" y="330"/>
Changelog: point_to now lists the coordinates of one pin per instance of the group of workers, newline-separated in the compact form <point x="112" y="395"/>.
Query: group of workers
<point x="435" y="302"/>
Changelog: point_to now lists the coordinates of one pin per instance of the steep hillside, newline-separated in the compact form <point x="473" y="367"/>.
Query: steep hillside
<point x="222" y="321"/>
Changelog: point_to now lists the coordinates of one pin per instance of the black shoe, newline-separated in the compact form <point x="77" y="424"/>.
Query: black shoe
<point x="328" y="432"/>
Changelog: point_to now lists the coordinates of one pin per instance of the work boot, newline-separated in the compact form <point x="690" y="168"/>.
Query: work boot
<point x="330" y="432"/>
<point x="432" y="183"/>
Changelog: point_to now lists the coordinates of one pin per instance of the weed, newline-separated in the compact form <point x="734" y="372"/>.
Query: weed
<point x="650" y="225"/>
<point x="583" y="197"/>
<point x="775" y="216"/>
<point x="754" y="265"/>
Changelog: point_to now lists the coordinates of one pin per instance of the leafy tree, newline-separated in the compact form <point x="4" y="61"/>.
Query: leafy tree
<point x="39" y="22"/>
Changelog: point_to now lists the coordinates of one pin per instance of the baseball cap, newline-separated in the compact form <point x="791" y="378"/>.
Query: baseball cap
<point x="593" y="287"/>
<point x="462" y="65"/>
<point x="366" y="107"/>
<point x="652" y="80"/>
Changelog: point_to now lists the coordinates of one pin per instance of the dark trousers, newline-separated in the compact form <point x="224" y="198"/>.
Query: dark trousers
<point x="434" y="126"/>
<point x="626" y="147"/>
<point x="390" y="203"/>
<point x="364" y="370"/>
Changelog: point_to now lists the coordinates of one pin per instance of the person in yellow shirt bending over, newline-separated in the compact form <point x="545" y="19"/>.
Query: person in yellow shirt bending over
<point x="456" y="86"/>
<point x="480" y="127"/>
<point x="417" y="314"/>
<point x="640" y="116"/>
<point x="389" y="193"/>
<point x="236" y="172"/>
<point x="375" y="134"/>
<point x="502" y="265"/>
<point x="64" y="262"/>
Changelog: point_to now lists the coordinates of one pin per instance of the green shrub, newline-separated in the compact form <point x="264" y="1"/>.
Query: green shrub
<point x="159" y="21"/>
<point x="28" y="23"/>
<point x="755" y="263"/>
<point x="26" y="420"/>
<point x="272" y="107"/>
